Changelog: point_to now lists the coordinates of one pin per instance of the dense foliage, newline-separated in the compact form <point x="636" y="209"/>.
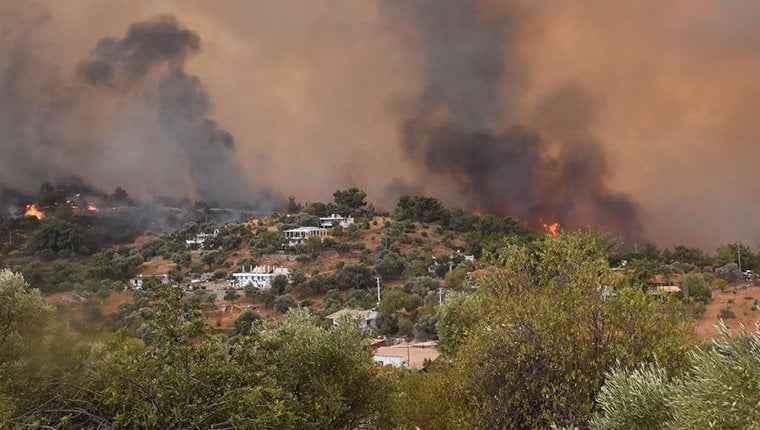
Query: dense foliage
<point x="529" y="328"/>
<point x="178" y="375"/>
<point x="721" y="389"/>
<point x="531" y="346"/>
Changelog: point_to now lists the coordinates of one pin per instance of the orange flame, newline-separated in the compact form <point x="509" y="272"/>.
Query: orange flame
<point x="91" y="207"/>
<point x="478" y="210"/>
<point x="33" y="210"/>
<point x="552" y="229"/>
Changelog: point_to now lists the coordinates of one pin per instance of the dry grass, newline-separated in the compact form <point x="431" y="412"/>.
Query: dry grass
<point x="741" y="302"/>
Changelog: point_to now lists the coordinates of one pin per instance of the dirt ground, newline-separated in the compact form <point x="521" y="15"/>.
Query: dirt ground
<point x="414" y="353"/>
<point x="74" y="302"/>
<point x="225" y="320"/>
<point x="157" y="267"/>
<point x="741" y="301"/>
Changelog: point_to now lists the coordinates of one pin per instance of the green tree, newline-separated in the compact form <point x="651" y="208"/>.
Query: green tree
<point x="279" y="284"/>
<point x="390" y="265"/>
<point x="231" y="294"/>
<point x="459" y="220"/>
<point x="305" y="220"/>
<point x="283" y="302"/>
<point x="50" y="196"/>
<point x="264" y="296"/>
<point x="180" y="377"/>
<point x="419" y="208"/>
<point x="355" y="276"/>
<point x="120" y="195"/>
<point x="246" y="322"/>
<point x="34" y="350"/>
<point x="293" y="206"/>
<point x="210" y="258"/>
<point x="730" y="252"/>
<point x="421" y="285"/>
<point x="686" y="254"/>
<point x="729" y="272"/>
<point x="396" y="299"/>
<point x="457" y="318"/>
<point x="719" y="390"/>
<point x="694" y="287"/>
<point x="56" y="235"/>
<point x="351" y="199"/>
<point x="416" y="268"/>
<point x="329" y="375"/>
<point x="536" y="349"/>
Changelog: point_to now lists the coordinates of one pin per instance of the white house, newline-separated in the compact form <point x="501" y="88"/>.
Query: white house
<point x="367" y="318"/>
<point x="200" y="239"/>
<point x="335" y="219"/>
<point x="298" y="236"/>
<point x="259" y="276"/>
<point x="138" y="280"/>
<point x="392" y="360"/>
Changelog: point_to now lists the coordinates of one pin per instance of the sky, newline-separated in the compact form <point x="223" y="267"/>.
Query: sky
<point x="634" y="117"/>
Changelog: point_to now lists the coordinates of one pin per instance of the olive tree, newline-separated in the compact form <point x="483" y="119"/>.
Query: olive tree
<point x="532" y="346"/>
<point x="719" y="390"/>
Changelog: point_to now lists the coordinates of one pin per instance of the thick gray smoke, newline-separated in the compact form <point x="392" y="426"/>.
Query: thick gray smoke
<point x="131" y="116"/>
<point x="182" y="102"/>
<point x="550" y="170"/>
<point x="146" y="44"/>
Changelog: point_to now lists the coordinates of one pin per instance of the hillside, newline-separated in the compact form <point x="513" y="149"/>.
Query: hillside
<point x="744" y="302"/>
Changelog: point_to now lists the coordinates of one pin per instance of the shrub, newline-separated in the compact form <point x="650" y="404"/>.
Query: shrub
<point x="719" y="390"/>
<point x="726" y="314"/>
<point x="283" y="303"/>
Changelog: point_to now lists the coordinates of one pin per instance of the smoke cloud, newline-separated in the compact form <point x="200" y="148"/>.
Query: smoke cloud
<point x="551" y="171"/>
<point x="637" y="117"/>
<point x="153" y="127"/>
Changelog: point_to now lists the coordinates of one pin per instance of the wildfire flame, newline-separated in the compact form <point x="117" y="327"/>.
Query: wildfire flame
<point x="552" y="229"/>
<point x="33" y="210"/>
<point x="92" y="208"/>
<point x="478" y="210"/>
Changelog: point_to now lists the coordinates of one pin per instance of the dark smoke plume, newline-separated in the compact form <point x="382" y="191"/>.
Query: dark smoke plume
<point x="132" y="117"/>
<point x="146" y="44"/>
<point x="552" y="170"/>
<point x="183" y="104"/>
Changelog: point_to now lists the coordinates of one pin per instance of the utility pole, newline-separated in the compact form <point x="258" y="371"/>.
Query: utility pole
<point x="377" y="278"/>
<point x="739" y="255"/>
<point x="408" y="356"/>
<point x="440" y="296"/>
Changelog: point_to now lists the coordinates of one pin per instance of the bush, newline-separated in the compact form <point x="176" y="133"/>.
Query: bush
<point x="245" y="322"/>
<point x="279" y="284"/>
<point x="419" y="208"/>
<point x="283" y="303"/>
<point x="729" y="272"/>
<point x="693" y="286"/>
<point x="405" y="327"/>
<point x="726" y="314"/>
<point x="390" y="265"/>
<point x="231" y="294"/>
<point x="718" y="391"/>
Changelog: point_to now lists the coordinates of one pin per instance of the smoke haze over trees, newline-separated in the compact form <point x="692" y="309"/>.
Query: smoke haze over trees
<point x="636" y="118"/>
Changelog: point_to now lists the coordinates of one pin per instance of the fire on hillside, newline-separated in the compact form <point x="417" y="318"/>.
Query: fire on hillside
<point x="34" y="211"/>
<point x="551" y="228"/>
